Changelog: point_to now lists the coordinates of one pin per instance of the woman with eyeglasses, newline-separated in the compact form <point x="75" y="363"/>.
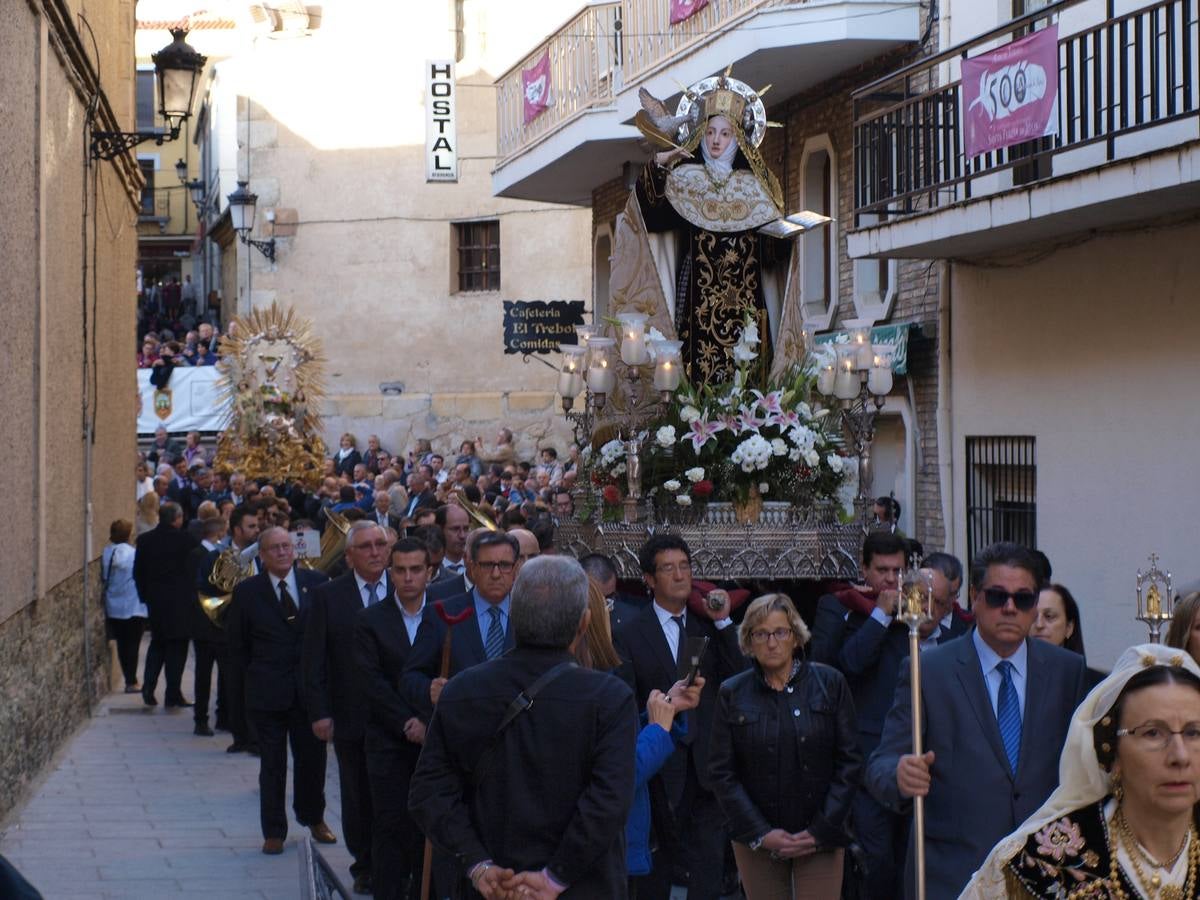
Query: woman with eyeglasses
<point x="784" y="761"/>
<point x="1123" y="820"/>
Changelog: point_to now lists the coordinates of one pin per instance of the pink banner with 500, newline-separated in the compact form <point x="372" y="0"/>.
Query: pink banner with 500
<point x="1010" y="95"/>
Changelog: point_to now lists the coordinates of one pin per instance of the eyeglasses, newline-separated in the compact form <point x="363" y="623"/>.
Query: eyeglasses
<point x="371" y="545"/>
<point x="502" y="567"/>
<point x="996" y="598"/>
<point x="275" y="548"/>
<point x="672" y="568"/>
<point x="780" y="635"/>
<point x="1156" y="735"/>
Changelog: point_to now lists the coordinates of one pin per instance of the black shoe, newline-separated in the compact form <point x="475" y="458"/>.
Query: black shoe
<point x="148" y="698"/>
<point x="202" y="730"/>
<point x="132" y="689"/>
<point x="180" y="703"/>
<point x="362" y="884"/>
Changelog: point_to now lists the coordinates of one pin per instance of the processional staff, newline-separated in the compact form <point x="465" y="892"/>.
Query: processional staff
<point x="915" y="610"/>
<point x="1155" y="598"/>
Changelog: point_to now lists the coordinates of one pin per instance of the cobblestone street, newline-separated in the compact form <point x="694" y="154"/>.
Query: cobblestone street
<point x="138" y="807"/>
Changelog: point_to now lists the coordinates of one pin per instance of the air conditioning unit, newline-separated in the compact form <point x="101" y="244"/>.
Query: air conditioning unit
<point x="280" y="18"/>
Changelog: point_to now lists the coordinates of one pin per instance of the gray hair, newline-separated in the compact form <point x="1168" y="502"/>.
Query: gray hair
<point x="170" y="513"/>
<point x="945" y="563"/>
<point x="548" y="602"/>
<point x="358" y="527"/>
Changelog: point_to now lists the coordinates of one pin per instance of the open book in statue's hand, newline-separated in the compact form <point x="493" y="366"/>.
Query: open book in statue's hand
<point x="794" y="225"/>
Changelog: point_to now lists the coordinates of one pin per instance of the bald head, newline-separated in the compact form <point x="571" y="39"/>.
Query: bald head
<point x="528" y="542"/>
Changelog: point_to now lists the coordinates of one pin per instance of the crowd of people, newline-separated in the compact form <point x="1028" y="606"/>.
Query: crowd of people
<point x="683" y="734"/>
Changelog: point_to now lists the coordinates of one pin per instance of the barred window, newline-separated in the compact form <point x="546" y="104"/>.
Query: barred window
<point x="478" y="246"/>
<point x="147" y="167"/>
<point x="1001" y="492"/>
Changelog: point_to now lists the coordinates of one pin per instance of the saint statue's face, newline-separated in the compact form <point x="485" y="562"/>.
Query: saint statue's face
<point x="718" y="136"/>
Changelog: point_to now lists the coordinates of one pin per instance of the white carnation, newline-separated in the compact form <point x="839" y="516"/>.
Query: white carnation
<point x="763" y="487"/>
<point x="778" y="447"/>
<point x="683" y="500"/>
<point x="694" y="475"/>
<point x="811" y="457"/>
<point x="834" y="462"/>
<point x="665" y="436"/>
<point x="689" y="414"/>
<point x="671" y="485"/>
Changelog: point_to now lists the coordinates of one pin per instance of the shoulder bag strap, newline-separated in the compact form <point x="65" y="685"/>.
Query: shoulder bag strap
<point x="520" y="703"/>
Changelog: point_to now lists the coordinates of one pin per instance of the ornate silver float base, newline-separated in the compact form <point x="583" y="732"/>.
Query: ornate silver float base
<point x="788" y="542"/>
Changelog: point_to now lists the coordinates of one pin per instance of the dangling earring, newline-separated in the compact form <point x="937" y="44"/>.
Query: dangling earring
<point x="1117" y="788"/>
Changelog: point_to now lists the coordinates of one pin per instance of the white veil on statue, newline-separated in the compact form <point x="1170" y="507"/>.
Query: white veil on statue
<point x="1082" y="781"/>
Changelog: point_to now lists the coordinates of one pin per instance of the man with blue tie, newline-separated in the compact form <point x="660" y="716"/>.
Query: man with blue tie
<point x="997" y="706"/>
<point x="335" y="692"/>
<point x="266" y="622"/>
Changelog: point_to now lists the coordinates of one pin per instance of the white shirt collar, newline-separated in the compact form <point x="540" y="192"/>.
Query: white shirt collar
<point x="404" y="612"/>
<point x="665" y="616"/>
<point x="989" y="658"/>
<point x="362" y="587"/>
<point x="293" y="588"/>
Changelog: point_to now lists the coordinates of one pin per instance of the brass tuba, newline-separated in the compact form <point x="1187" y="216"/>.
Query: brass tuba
<point x="333" y="542"/>
<point x="230" y="568"/>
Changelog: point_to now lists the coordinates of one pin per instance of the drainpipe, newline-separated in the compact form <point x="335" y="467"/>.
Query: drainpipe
<point x="944" y="434"/>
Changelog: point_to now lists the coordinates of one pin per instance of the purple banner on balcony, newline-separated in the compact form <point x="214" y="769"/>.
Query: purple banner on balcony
<point x="685" y="9"/>
<point x="1010" y="95"/>
<point x="535" y="81"/>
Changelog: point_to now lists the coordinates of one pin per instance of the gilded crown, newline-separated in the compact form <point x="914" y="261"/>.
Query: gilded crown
<point x="723" y="101"/>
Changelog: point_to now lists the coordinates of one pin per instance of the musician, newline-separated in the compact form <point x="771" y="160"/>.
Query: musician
<point x="209" y="640"/>
<point x="383" y="638"/>
<point x="243" y="533"/>
<point x="333" y="686"/>
<point x="266" y="629"/>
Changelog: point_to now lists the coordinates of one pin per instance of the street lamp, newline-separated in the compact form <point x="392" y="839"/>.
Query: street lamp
<point x="177" y="70"/>
<point x="241" y="213"/>
<point x="181" y="171"/>
<point x="197" y="191"/>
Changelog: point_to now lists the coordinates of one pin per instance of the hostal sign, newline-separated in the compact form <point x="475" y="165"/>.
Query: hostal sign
<point x="441" y="140"/>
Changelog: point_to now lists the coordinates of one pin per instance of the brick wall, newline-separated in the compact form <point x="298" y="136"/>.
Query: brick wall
<point x="827" y="110"/>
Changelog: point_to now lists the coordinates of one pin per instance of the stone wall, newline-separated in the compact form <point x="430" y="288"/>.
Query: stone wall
<point x="45" y="682"/>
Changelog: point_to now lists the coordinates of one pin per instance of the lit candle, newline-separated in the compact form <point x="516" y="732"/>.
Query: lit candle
<point x="860" y="339"/>
<point x="879" y="382"/>
<point x="633" y="339"/>
<point x="570" y="377"/>
<point x="808" y="334"/>
<point x="845" y="385"/>
<point x="825" y="379"/>
<point x="668" y="369"/>
<point x="600" y="375"/>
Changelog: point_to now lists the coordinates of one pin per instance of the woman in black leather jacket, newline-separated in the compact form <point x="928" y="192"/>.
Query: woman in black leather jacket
<point x="784" y="761"/>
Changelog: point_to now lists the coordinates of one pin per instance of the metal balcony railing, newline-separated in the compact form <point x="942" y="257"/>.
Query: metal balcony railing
<point x="1126" y="74"/>
<point x="585" y="56"/>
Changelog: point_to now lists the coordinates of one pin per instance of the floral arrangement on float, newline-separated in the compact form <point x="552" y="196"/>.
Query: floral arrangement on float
<point x="751" y="440"/>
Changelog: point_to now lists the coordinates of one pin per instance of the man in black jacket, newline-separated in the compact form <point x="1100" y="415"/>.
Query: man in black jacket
<point x="688" y="823"/>
<point x="266" y="628"/>
<point x="541" y="803"/>
<point x="383" y="637"/>
<point x="210" y="640"/>
<point x="333" y="687"/>
<point x="163" y="576"/>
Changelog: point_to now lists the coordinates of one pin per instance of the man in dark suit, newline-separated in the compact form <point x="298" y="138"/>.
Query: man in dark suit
<point x="688" y="822"/>
<point x="266" y="629"/>
<point x="165" y="583"/>
<point x="334" y="689"/>
<point x="455" y="525"/>
<point x="602" y="571"/>
<point x="420" y="492"/>
<point x="380" y="513"/>
<point x="884" y="557"/>
<point x="540" y="806"/>
<point x="875" y="648"/>
<point x="383" y="637"/>
<point x="210" y="641"/>
<point x="484" y="636"/>
<point x="996" y="708"/>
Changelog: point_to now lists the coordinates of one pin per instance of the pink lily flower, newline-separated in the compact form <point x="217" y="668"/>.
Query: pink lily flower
<point x="701" y="431"/>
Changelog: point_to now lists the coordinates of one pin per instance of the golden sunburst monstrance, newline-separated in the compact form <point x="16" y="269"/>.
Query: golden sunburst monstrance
<point x="272" y="377"/>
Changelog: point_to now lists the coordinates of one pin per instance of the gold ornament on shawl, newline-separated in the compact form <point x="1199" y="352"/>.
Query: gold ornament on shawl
<point x="272" y="378"/>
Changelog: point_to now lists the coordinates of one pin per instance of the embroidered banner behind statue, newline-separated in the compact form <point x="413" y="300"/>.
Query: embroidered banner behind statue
<point x="1010" y="95"/>
<point x="535" y="82"/>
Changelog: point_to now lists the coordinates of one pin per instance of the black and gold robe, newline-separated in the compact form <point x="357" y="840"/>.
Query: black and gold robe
<point x="719" y="274"/>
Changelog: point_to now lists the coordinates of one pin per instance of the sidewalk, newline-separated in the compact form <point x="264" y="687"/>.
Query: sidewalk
<point x="136" y="806"/>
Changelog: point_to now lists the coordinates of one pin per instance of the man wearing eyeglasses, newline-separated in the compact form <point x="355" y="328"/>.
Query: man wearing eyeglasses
<point x="492" y="559"/>
<point x="691" y="837"/>
<point x="334" y="690"/>
<point x="996" y="707"/>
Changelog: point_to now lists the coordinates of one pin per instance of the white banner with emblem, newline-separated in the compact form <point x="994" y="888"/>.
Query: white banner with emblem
<point x="188" y="403"/>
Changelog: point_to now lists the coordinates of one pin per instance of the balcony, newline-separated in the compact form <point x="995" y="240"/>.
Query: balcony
<point x="1127" y="149"/>
<point x="600" y="58"/>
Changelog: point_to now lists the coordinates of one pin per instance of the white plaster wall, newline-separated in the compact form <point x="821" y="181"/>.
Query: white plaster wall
<point x="1093" y="351"/>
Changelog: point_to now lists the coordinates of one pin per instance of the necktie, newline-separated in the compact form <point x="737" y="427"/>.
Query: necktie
<point x="1008" y="714"/>
<point x="681" y="642"/>
<point x="372" y="594"/>
<point x="286" y="603"/>
<point x="495" y="635"/>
